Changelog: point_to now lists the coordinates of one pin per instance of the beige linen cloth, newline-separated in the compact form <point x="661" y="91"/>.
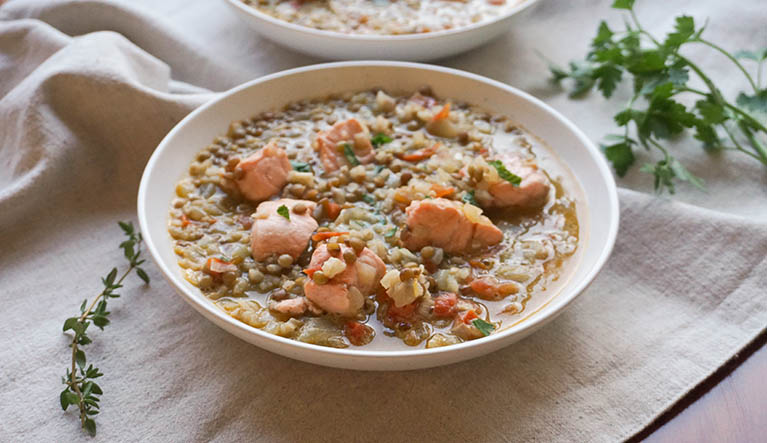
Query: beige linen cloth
<point x="88" y="89"/>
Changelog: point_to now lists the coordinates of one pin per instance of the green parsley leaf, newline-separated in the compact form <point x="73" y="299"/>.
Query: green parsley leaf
<point x="623" y="4"/>
<point x="300" y="166"/>
<point x="484" y="327"/>
<point x="284" y="211"/>
<point x="391" y="232"/>
<point x="755" y="103"/>
<point x="349" y="154"/>
<point x="505" y="173"/>
<point x="369" y="199"/>
<point x="380" y="139"/>
<point x="621" y="156"/>
<point x="684" y="33"/>
<point x="470" y="199"/>
<point x="608" y="77"/>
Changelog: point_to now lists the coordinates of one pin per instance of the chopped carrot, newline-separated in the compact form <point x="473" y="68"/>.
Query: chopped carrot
<point x="311" y="271"/>
<point x="184" y="221"/>
<point x="442" y="191"/>
<point x="332" y="209"/>
<point x="467" y="316"/>
<point x="319" y="236"/>
<point x="217" y="267"/>
<point x="443" y="113"/>
<point x="422" y="154"/>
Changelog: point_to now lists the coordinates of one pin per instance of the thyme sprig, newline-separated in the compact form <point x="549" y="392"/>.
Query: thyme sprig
<point x="81" y="389"/>
<point x="660" y="73"/>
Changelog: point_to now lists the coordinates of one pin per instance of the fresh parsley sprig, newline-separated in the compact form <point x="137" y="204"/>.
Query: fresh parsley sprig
<point x="349" y="154"/>
<point x="660" y="74"/>
<point x="81" y="389"/>
<point x="505" y="173"/>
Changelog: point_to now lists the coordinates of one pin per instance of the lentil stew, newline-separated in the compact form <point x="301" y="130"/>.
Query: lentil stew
<point x="376" y="219"/>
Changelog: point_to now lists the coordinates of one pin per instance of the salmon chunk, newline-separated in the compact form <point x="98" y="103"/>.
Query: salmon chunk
<point x="453" y="226"/>
<point x="273" y="233"/>
<point x="263" y="174"/>
<point x="294" y="307"/>
<point x="531" y="192"/>
<point x="330" y="144"/>
<point x="345" y="292"/>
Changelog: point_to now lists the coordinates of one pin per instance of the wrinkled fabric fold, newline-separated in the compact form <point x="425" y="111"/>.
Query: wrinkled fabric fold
<point x="87" y="91"/>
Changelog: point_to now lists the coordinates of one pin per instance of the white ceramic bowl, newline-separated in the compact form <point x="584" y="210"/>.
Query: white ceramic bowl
<point x="340" y="46"/>
<point x="171" y="159"/>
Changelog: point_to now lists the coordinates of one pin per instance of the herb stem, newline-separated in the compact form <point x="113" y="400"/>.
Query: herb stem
<point x="73" y="379"/>
<point x="738" y="146"/>
<point x="80" y="389"/>
<point x="754" y="142"/>
<point x="732" y="59"/>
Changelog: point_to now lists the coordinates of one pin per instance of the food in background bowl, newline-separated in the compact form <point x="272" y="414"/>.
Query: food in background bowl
<point x="384" y="17"/>
<point x="376" y="219"/>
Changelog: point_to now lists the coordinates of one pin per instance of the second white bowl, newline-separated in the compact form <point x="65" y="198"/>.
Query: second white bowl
<point x="411" y="47"/>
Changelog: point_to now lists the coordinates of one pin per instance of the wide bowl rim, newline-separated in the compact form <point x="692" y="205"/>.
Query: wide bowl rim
<point x="536" y="319"/>
<point x="245" y="9"/>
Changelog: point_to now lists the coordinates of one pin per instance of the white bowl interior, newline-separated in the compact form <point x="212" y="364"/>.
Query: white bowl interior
<point x="173" y="155"/>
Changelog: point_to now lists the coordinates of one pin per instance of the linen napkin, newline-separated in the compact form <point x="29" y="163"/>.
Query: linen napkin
<point x="88" y="89"/>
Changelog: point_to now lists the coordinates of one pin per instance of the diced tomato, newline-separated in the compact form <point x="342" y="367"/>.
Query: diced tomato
<point x="421" y="154"/>
<point x="467" y="316"/>
<point x="245" y="221"/>
<point x="477" y="264"/>
<point x="443" y="113"/>
<point x="184" y="221"/>
<point x="423" y="100"/>
<point x="319" y="236"/>
<point x="442" y="191"/>
<point x="217" y="267"/>
<point x="403" y="313"/>
<point x="357" y="333"/>
<point x="489" y="288"/>
<point x="444" y="305"/>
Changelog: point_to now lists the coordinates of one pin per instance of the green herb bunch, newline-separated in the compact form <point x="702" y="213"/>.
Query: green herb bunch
<point x="81" y="389"/>
<point x="660" y="74"/>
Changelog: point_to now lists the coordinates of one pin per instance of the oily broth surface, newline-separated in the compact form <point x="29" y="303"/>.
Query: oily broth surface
<point x="537" y="251"/>
<point x="384" y="17"/>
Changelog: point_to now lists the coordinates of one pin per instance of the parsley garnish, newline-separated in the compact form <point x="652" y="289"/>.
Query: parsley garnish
<point x="391" y="232"/>
<point x="653" y="113"/>
<point x="300" y="166"/>
<point x="505" y="173"/>
<point x="369" y="199"/>
<point x="380" y="139"/>
<point x="484" y="327"/>
<point x="349" y="154"/>
<point x="284" y="211"/>
<point x="470" y="199"/>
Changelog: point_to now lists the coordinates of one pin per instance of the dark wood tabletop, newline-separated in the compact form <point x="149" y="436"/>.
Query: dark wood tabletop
<point x="729" y="406"/>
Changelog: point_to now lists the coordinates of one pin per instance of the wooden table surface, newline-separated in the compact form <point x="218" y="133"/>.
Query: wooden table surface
<point x="730" y="406"/>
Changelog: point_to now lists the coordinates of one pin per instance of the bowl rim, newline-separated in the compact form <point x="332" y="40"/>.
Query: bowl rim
<point x="245" y="9"/>
<point x="523" y="328"/>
